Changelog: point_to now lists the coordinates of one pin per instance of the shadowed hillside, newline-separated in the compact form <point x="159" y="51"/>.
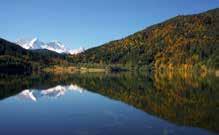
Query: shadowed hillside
<point x="16" y="60"/>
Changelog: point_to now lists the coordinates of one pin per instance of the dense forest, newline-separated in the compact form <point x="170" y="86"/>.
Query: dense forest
<point x="183" y="41"/>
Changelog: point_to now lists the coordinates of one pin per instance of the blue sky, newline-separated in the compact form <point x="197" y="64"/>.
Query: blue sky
<point x="89" y="23"/>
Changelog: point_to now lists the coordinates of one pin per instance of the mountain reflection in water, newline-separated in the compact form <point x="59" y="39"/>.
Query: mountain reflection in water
<point x="55" y="92"/>
<point x="182" y="99"/>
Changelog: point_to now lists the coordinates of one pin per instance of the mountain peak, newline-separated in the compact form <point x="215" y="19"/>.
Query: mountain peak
<point x="33" y="43"/>
<point x="56" y="46"/>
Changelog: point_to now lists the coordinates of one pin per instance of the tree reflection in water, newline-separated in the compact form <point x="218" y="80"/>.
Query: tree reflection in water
<point x="184" y="99"/>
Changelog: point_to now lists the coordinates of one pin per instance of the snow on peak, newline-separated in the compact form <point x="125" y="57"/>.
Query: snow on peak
<point x="30" y="43"/>
<point x="55" y="92"/>
<point x="55" y="46"/>
<point x="76" y="51"/>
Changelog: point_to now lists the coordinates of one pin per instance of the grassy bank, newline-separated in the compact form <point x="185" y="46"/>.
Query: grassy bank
<point x="71" y="69"/>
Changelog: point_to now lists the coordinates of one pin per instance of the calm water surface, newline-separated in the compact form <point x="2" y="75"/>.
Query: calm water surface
<point x="108" y="104"/>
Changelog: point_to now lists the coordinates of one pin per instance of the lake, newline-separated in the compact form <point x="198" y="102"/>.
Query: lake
<point x="109" y="103"/>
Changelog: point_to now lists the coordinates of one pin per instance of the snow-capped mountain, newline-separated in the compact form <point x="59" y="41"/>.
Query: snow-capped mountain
<point x="30" y="43"/>
<point x="55" y="46"/>
<point x="55" y="92"/>
<point x="77" y="51"/>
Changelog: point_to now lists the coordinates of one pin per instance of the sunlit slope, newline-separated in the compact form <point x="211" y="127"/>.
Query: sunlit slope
<point x="181" y="41"/>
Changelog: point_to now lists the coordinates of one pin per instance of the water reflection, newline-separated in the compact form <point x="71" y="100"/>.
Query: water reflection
<point x="55" y="92"/>
<point x="183" y="99"/>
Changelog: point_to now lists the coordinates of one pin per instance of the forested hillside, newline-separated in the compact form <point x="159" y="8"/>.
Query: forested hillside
<point x="14" y="59"/>
<point x="183" y="41"/>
